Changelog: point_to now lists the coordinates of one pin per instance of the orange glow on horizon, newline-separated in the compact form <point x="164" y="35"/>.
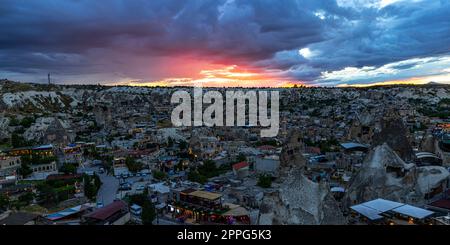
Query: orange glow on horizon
<point x="229" y="72"/>
<point x="227" y="76"/>
<point x="445" y="78"/>
<point x="234" y="76"/>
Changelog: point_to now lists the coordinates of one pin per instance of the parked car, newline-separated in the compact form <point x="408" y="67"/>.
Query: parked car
<point x="125" y="187"/>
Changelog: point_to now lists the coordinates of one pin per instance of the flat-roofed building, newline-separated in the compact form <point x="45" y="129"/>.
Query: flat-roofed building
<point x="9" y="165"/>
<point x="384" y="211"/>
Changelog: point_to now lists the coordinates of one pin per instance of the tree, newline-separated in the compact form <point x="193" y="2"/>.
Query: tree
<point x="26" y="198"/>
<point x="25" y="169"/>
<point x="97" y="183"/>
<point x="91" y="186"/>
<point x="148" y="209"/>
<point x="148" y="213"/>
<point x="133" y="165"/>
<point x="47" y="194"/>
<point x="27" y="122"/>
<point x="183" y="145"/>
<point x="13" y="122"/>
<point x="194" y="176"/>
<point x="208" y="169"/>
<point x="264" y="181"/>
<point x="68" y="169"/>
<point x="159" y="175"/>
<point x="241" y="158"/>
<point x="4" y="202"/>
<point x="138" y="199"/>
<point x="18" y="141"/>
<point x="170" y="142"/>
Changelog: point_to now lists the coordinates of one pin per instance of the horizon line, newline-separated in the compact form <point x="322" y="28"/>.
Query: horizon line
<point x="290" y="86"/>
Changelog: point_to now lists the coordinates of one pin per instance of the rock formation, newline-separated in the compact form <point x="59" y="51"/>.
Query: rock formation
<point x="298" y="200"/>
<point x="430" y="178"/>
<point x="395" y="134"/>
<point x="383" y="175"/>
<point x="428" y="144"/>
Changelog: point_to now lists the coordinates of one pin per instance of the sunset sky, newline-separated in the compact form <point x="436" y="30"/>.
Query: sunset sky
<point x="226" y="42"/>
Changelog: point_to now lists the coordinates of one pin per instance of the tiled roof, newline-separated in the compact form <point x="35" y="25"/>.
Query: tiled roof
<point x="240" y="165"/>
<point x="107" y="211"/>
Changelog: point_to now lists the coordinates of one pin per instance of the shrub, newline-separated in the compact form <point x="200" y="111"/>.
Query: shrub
<point x="264" y="181"/>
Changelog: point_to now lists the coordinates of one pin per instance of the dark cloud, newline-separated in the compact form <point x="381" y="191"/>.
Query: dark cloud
<point x="130" y="37"/>
<point x="397" y="32"/>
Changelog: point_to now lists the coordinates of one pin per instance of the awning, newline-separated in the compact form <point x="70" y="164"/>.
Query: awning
<point x="382" y="205"/>
<point x="370" y="213"/>
<point x="415" y="212"/>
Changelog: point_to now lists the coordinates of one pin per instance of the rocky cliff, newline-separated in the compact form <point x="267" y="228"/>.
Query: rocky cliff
<point x="298" y="200"/>
<point x="383" y="175"/>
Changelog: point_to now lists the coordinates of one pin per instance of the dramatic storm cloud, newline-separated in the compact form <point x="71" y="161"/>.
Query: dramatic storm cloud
<point x="225" y="42"/>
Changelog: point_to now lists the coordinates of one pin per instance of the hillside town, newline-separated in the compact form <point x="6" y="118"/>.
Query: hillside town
<point x="109" y="155"/>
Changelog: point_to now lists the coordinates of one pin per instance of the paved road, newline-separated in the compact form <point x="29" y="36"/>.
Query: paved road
<point x="108" y="189"/>
<point x="110" y="184"/>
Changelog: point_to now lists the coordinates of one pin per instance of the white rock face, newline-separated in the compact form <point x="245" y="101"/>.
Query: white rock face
<point x="375" y="180"/>
<point x="300" y="202"/>
<point x="430" y="177"/>
<point x="129" y="90"/>
<point x="33" y="97"/>
<point x="165" y="133"/>
<point x="37" y="130"/>
<point x="4" y="122"/>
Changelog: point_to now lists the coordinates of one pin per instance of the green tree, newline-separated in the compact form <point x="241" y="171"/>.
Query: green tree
<point x="148" y="213"/>
<point x="91" y="186"/>
<point x="26" y="198"/>
<point x="170" y="142"/>
<point x="25" y="169"/>
<point x="148" y="209"/>
<point x="133" y="165"/>
<point x="208" y="169"/>
<point x="18" y="141"/>
<point x="68" y="169"/>
<point x="47" y="194"/>
<point x="159" y="175"/>
<point x="4" y="202"/>
<point x="183" y="145"/>
<point x="27" y="122"/>
<point x="241" y="158"/>
<point x="264" y="181"/>
<point x="194" y="176"/>
<point x="13" y="122"/>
